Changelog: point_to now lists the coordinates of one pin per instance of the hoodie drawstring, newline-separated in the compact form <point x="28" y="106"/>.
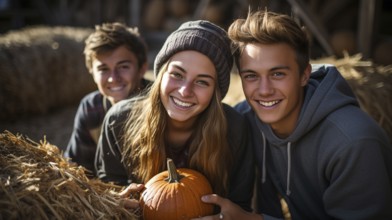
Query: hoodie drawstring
<point x="264" y="171"/>
<point x="288" y="192"/>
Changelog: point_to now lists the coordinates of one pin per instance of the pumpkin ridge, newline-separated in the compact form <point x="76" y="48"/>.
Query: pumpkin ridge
<point x="195" y="199"/>
<point x="154" y="199"/>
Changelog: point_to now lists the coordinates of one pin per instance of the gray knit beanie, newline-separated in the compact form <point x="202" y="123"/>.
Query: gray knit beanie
<point x="206" y="38"/>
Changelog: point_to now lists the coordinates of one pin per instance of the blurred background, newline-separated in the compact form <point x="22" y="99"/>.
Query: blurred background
<point x="357" y="26"/>
<point x="42" y="72"/>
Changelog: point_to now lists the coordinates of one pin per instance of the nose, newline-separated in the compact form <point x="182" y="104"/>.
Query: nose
<point x="265" y="87"/>
<point x="186" y="89"/>
<point x="114" y="76"/>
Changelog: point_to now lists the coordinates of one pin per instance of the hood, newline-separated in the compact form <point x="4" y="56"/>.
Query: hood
<point x="325" y="92"/>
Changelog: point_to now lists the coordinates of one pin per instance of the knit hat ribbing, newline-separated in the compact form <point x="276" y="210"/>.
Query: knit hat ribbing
<point x="206" y="38"/>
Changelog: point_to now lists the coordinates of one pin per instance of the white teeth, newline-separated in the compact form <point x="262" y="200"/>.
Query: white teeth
<point x="268" y="104"/>
<point x="115" y="89"/>
<point x="182" y="104"/>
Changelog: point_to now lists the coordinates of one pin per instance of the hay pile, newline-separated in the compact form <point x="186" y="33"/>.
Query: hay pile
<point x="42" y="68"/>
<point x="36" y="182"/>
<point x="371" y="84"/>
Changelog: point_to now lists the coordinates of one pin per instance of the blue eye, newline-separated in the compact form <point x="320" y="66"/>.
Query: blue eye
<point x="124" y="67"/>
<point x="202" y="83"/>
<point x="103" y="71"/>
<point x="249" y="76"/>
<point x="176" y="75"/>
<point x="278" y="74"/>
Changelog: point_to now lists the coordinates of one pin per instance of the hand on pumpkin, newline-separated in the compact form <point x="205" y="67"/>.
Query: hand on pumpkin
<point x="229" y="210"/>
<point x="130" y="196"/>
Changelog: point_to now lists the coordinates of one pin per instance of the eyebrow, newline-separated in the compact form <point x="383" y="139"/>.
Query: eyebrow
<point x="279" y="68"/>
<point x="124" y="61"/>
<point x="199" y="75"/>
<point x="121" y="62"/>
<point x="272" y="69"/>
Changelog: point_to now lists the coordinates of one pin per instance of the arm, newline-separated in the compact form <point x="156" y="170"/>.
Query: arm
<point x="242" y="171"/>
<point x="81" y="146"/>
<point x="360" y="185"/>
<point x="108" y="159"/>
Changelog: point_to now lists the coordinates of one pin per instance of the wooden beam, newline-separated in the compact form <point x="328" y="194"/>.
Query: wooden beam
<point x="134" y="13"/>
<point x="312" y="22"/>
<point x="332" y="8"/>
<point x="367" y="26"/>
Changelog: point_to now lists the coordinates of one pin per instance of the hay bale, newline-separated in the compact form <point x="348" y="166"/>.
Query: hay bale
<point x="36" y="182"/>
<point x="42" y="68"/>
<point x="372" y="84"/>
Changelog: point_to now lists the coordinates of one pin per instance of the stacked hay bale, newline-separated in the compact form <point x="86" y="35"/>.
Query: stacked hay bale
<point x="42" y="68"/>
<point x="36" y="182"/>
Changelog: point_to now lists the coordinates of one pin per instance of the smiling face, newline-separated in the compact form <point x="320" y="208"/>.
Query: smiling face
<point x="273" y="85"/>
<point x="117" y="73"/>
<point x="187" y="86"/>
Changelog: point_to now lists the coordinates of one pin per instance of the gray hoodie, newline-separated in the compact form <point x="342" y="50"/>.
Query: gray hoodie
<point x="336" y="164"/>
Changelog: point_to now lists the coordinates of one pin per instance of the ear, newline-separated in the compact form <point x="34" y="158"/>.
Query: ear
<point x="96" y="80"/>
<point x="143" y="70"/>
<point x="306" y="75"/>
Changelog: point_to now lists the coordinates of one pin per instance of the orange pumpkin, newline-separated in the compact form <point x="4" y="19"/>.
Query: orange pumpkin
<point x="176" y="194"/>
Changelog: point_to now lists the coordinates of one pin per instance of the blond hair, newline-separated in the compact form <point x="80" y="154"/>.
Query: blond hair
<point x="266" y="27"/>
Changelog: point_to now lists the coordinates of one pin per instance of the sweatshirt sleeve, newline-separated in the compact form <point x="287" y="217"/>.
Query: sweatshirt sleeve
<point x="81" y="146"/>
<point x="360" y="186"/>
<point x="108" y="163"/>
<point x="242" y="175"/>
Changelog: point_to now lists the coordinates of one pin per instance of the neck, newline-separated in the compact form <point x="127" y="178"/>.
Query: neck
<point x="178" y="134"/>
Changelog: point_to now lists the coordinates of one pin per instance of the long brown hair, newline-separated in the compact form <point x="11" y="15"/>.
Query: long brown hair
<point x="144" y="149"/>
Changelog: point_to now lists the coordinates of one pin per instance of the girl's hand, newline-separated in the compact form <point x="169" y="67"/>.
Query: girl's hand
<point x="130" y="196"/>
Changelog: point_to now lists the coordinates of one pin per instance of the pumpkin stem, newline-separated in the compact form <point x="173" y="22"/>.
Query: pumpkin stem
<point x="173" y="175"/>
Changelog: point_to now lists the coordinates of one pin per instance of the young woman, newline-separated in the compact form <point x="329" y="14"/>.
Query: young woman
<point x="182" y="117"/>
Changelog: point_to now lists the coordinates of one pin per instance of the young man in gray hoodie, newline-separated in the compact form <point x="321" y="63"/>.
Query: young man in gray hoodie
<point x="315" y="148"/>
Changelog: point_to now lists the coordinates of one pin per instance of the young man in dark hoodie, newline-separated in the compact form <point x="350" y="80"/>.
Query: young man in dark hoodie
<point x="314" y="146"/>
<point x="116" y="57"/>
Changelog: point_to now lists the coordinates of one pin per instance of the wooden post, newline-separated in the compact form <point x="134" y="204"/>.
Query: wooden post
<point x="313" y="23"/>
<point x="367" y="25"/>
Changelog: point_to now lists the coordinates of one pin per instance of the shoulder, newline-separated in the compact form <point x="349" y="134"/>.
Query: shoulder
<point x="92" y="99"/>
<point x="146" y="83"/>
<point x="236" y="123"/>
<point x="242" y="107"/>
<point x="90" y="107"/>
<point x="246" y="110"/>
<point x="233" y="116"/>
<point x="121" y="109"/>
<point x="352" y="125"/>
